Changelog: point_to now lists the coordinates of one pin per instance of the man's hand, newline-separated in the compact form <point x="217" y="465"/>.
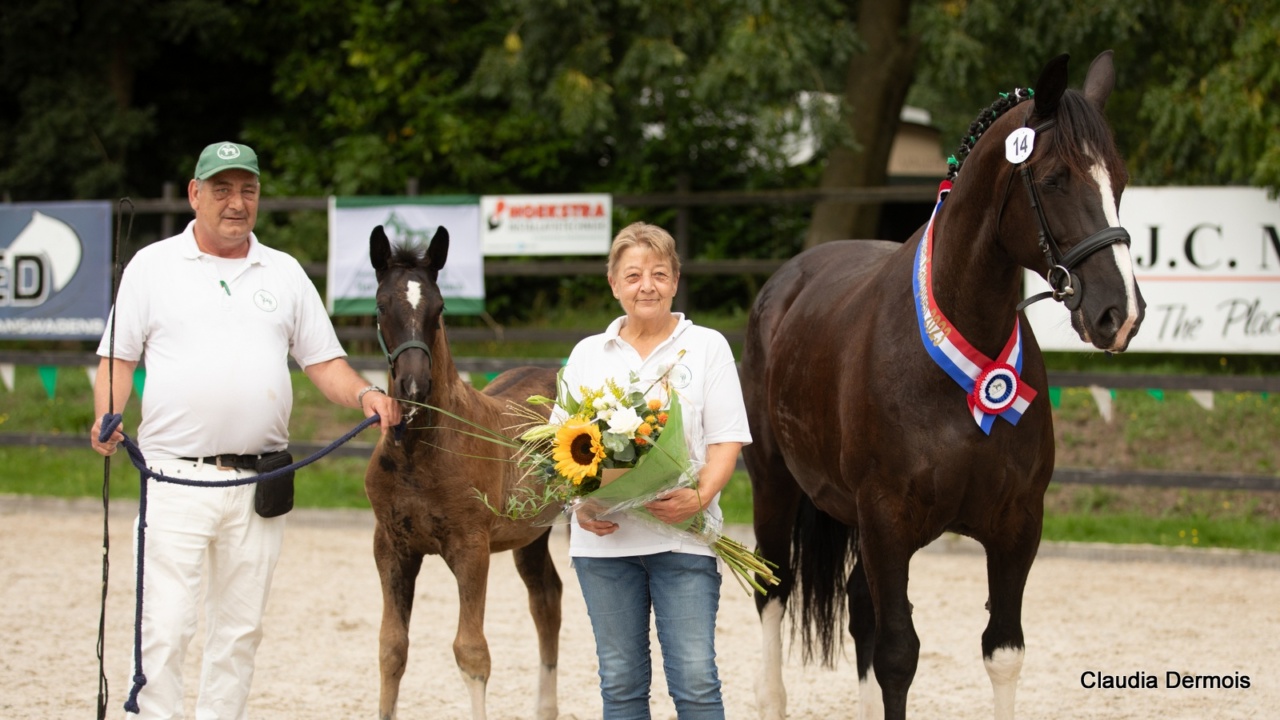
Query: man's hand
<point x="388" y="409"/>
<point x="108" y="448"/>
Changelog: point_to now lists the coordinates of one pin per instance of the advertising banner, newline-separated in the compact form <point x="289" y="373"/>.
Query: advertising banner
<point x="1207" y="261"/>
<point x="546" y="224"/>
<point x="55" y="270"/>
<point x="408" y="221"/>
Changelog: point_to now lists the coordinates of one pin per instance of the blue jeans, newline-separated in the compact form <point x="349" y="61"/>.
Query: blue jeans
<point x="683" y="591"/>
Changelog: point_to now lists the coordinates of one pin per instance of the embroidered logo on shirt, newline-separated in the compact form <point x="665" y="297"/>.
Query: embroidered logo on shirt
<point x="680" y="376"/>
<point x="265" y="301"/>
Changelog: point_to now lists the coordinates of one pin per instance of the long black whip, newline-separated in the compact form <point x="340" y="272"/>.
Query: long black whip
<point x="116" y="268"/>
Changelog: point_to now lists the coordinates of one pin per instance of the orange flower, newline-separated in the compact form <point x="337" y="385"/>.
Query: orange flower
<point x="654" y="404"/>
<point x="662" y="418"/>
<point x="644" y="429"/>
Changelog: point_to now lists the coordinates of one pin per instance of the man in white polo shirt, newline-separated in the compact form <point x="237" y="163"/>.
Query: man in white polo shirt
<point x="215" y="315"/>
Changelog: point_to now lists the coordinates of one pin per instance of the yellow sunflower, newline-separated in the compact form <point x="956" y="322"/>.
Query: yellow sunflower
<point x="577" y="450"/>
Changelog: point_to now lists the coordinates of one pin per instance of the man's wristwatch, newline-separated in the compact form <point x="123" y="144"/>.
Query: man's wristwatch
<point x="364" y="391"/>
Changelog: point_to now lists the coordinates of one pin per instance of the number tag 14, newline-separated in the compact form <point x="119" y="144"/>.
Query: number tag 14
<point x="1019" y="144"/>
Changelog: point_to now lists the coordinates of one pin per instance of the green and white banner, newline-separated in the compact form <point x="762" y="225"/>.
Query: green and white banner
<point x="407" y="221"/>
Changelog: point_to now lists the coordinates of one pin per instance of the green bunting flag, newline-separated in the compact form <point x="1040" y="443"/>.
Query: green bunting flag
<point x="49" y="376"/>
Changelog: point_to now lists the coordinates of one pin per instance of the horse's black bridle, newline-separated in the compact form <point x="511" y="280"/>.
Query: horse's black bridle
<point x="1060" y="278"/>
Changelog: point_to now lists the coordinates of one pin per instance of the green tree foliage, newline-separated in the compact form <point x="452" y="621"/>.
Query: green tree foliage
<point x="104" y="99"/>
<point x="1197" y="95"/>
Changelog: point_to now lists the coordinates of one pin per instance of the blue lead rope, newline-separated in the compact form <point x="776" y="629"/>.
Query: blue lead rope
<point x="109" y="424"/>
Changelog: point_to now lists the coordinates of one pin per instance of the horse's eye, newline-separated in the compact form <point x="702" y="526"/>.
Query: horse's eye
<point x="379" y="309"/>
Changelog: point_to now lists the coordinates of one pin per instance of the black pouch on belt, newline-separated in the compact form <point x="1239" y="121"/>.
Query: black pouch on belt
<point x="275" y="496"/>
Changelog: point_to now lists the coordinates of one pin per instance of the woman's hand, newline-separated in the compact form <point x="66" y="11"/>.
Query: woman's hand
<point x="676" y="506"/>
<point x="587" y="514"/>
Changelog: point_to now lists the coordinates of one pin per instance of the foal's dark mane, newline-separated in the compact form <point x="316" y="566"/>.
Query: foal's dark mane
<point x="405" y="257"/>
<point x="1079" y="125"/>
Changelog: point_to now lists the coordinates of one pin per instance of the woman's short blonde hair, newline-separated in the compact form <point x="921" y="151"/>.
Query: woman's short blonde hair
<point x="642" y="234"/>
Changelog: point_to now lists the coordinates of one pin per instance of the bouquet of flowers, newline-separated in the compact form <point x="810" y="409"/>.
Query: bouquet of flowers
<point x="615" y="451"/>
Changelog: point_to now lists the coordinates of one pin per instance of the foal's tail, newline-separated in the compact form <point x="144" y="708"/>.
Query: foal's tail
<point x="822" y="552"/>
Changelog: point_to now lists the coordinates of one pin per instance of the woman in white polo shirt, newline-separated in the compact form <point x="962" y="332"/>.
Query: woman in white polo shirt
<point x="627" y="569"/>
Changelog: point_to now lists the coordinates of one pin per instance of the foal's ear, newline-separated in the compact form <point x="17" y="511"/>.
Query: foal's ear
<point x="379" y="251"/>
<point x="437" y="252"/>
<point x="1100" y="80"/>
<point x="1051" y="85"/>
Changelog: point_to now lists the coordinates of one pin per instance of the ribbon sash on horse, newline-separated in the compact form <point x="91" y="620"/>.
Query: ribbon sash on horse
<point x="994" y="387"/>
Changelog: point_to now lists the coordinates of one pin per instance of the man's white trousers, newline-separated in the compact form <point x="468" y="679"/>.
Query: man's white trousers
<point x="191" y="530"/>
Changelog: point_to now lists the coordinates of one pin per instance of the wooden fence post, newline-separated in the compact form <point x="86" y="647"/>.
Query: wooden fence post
<point x="168" y="191"/>
<point x="681" y="303"/>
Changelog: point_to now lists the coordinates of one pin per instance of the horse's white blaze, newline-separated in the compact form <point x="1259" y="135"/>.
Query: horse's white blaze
<point x="475" y="689"/>
<point x="870" y="697"/>
<point x="413" y="293"/>
<point x="548" y="709"/>
<point x="771" y="694"/>
<point x="1119" y="252"/>
<point x="1003" y="667"/>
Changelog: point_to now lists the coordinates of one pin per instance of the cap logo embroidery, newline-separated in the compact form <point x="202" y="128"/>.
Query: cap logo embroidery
<point x="228" y="152"/>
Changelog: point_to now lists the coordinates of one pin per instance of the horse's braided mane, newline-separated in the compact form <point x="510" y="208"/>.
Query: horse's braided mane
<point x="980" y="124"/>
<point x="1080" y="129"/>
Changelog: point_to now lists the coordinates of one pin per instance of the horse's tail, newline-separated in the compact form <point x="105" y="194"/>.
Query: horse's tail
<point x="822" y="552"/>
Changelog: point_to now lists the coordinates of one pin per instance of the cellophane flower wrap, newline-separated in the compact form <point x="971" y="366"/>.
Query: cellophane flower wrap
<point x="613" y="451"/>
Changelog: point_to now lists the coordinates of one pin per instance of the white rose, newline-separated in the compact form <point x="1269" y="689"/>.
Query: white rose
<point x="624" y="422"/>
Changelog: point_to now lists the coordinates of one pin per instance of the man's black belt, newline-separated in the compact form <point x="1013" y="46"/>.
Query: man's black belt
<point x="237" y="462"/>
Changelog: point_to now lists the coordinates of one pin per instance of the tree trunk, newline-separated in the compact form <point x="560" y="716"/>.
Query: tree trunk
<point x="875" y="90"/>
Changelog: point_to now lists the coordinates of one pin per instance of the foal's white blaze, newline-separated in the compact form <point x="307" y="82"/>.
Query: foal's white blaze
<point x="1120" y="253"/>
<point x="771" y="695"/>
<point x="1003" y="667"/>
<point x="413" y="293"/>
<point x="870" y="698"/>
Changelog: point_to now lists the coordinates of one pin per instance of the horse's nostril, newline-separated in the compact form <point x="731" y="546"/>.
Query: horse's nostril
<point x="1108" y="324"/>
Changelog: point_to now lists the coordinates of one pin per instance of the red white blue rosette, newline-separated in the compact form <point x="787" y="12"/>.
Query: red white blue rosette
<point x="995" y="390"/>
<point x="993" y="387"/>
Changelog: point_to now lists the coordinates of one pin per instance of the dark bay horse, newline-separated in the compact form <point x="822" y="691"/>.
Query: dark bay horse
<point x="423" y="488"/>
<point x="892" y="388"/>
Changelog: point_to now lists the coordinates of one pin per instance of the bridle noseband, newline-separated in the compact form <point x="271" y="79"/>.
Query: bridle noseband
<point x="408" y="344"/>
<point x="1064" y="282"/>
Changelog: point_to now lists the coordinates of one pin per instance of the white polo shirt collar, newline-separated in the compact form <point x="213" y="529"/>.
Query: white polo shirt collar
<point x="191" y="249"/>
<point x="612" y="334"/>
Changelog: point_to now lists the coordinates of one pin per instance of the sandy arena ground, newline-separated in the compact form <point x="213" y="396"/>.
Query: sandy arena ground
<point x="1116" y="611"/>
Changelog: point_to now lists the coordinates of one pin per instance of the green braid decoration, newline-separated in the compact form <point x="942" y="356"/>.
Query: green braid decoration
<point x="980" y="125"/>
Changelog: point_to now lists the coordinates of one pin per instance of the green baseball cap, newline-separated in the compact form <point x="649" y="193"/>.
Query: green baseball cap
<point x="225" y="156"/>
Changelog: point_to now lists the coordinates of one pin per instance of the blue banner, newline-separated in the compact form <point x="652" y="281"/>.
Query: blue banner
<point x="55" y="270"/>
